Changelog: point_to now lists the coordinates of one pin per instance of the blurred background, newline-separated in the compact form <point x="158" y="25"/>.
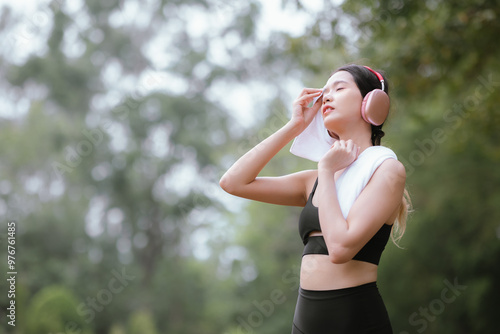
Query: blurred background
<point x="119" y="117"/>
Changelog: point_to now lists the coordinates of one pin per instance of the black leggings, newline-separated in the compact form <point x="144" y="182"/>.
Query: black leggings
<point x="355" y="310"/>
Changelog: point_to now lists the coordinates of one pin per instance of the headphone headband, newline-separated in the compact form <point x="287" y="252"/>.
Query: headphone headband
<point x="379" y="76"/>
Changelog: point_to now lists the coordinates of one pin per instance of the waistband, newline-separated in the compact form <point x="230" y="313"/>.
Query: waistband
<point x="338" y="293"/>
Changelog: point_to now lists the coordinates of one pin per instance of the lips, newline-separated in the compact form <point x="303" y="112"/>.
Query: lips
<point x="327" y="109"/>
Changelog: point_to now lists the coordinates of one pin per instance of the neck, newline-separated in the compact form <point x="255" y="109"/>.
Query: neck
<point x="361" y="136"/>
<point x="363" y="143"/>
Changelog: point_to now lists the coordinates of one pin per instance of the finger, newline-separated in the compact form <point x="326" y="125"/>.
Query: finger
<point x="315" y="94"/>
<point x="318" y="98"/>
<point x="311" y="90"/>
<point x="355" y="150"/>
<point x="306" y="99"/>
<point x="349" y="145"/>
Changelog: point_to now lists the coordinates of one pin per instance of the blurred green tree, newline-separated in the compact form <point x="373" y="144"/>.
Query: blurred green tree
<point x="117" y="160"/>
<point x="53" y="310"/>
<point x="141" y="322"/>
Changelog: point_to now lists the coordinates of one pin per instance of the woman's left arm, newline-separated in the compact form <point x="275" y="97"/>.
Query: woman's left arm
<point x="373" y="208"/>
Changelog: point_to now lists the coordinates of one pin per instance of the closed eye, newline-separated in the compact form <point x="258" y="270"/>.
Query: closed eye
<point x="340" y="88"/>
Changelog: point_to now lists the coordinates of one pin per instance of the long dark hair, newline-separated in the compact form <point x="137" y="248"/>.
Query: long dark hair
<point x="366" y="82"/>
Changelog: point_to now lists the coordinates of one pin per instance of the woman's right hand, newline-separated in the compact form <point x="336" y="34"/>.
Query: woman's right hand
<point x="302" y="115"/>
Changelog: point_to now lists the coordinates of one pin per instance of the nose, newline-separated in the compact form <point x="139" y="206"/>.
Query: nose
<point x="327" y="98"/>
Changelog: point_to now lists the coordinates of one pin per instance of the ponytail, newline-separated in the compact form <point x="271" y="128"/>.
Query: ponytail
<point x="399" y="227"/>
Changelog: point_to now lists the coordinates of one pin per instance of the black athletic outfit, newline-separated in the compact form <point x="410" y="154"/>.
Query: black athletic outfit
<point x="353" y="310"/>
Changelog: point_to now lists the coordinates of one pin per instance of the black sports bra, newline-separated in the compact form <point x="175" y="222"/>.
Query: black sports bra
<point x="309" y="222"/>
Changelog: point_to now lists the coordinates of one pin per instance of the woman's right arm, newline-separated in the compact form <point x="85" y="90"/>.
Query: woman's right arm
<point x="242" y="178"/>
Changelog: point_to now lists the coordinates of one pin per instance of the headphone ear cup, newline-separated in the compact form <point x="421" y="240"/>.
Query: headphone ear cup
<point x="375" y="107"/>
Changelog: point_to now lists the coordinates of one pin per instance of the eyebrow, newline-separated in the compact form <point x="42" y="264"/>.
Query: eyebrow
<point x="335" y="83"/>
<point x="338" y="81"/>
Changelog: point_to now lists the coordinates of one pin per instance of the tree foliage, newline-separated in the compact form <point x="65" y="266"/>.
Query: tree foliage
<point x="120" y="117"/>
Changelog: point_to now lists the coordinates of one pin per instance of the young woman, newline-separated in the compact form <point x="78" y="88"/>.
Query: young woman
<point x="351" y="203"/>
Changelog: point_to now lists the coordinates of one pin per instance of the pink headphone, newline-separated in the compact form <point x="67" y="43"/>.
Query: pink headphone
<point x="375" y="105"/>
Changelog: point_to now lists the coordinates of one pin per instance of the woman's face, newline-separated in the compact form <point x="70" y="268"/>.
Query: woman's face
<point x="341" y="102"/>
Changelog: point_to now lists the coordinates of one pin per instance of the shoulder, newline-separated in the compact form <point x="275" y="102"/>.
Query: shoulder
<point x="391" y="171"/>
<point x="386" y="160"/>
<point x="380" y="152"/>
<point x="393" y="166"/>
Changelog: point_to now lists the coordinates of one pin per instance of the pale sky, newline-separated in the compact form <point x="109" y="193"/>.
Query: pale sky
<point x="30" y="35"/>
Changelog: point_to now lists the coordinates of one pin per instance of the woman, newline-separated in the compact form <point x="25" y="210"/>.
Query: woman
<point x="351" y="202"/>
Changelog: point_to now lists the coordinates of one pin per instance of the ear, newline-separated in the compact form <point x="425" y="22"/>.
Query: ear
<point x="375" y="107"/>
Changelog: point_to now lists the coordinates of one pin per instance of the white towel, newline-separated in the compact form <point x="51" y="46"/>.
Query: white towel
<point x="356" y="176"/>
<point x="314" y="141"/>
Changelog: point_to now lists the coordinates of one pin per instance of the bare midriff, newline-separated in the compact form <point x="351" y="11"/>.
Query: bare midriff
<point x="317" y="272"/>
